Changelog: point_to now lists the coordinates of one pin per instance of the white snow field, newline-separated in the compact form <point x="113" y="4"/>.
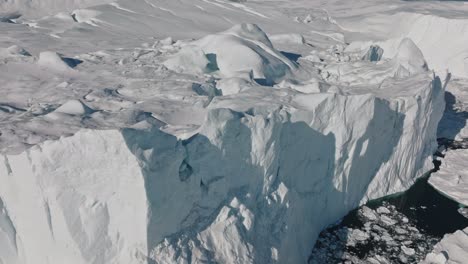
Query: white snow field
<point x="211" y="131"/>
<point x="450" y="250"/>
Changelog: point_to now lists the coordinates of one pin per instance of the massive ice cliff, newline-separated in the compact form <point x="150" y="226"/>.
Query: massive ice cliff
<point x="249" y="187"/>
<point x="253" y="185"/>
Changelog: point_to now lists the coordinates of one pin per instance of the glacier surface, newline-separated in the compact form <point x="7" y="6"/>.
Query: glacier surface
<point x="172" y="132"/>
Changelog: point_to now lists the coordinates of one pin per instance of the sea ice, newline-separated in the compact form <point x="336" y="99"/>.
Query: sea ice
<point x="451" y="249"/>
<point x="452" y="178"/>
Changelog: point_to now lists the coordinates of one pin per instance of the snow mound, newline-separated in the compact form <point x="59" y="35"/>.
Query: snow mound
<point x="54" y="61"/>
<point x="15" y="54"/>
<point x="409" y="59"/>
<point x="190" y="59"/>
<point x="74" y="107"/>
<point x="249" y="50"/>
<point x="85" y="16"/>
<point x="235" y="85"/>
<point x="14" y="51"/>
<point x="451" y="249"/>
<point x="452" y="178"/>
<point x="296" y="39"/>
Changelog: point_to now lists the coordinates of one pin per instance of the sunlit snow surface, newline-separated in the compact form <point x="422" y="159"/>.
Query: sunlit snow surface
<point x="210" y="131"/>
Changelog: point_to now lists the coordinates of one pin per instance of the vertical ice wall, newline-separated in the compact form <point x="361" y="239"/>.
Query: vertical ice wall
<point x="77" y="200"/>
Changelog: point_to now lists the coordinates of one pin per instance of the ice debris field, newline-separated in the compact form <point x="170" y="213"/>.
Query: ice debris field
<point x="213" y="131"/>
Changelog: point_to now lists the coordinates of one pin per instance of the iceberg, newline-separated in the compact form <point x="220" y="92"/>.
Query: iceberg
<point x="254" y="184"/>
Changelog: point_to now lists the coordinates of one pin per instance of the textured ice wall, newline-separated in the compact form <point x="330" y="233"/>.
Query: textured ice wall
<point x="77" y="200"/>
<point x="248" y="188"/>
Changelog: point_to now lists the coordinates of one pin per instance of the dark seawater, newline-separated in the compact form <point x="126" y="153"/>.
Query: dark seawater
<point x="431" y="212"/>
<point x="420" y="217"/>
